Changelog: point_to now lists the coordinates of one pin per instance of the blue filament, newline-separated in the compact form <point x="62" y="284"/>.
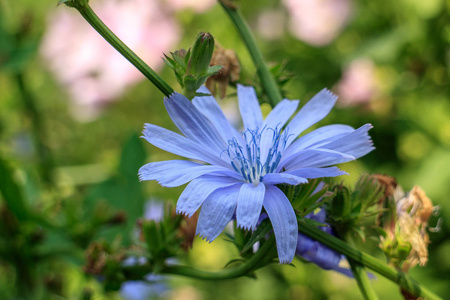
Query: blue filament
<point x="246" y="159"/>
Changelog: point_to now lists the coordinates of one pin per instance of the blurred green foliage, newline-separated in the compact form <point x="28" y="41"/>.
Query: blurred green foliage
<point x="94" y="165"/>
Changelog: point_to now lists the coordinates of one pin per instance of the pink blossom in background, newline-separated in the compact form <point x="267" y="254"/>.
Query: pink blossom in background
<point x="271" y="24"/>
<point x="196" y="5"/>
<point x="358" y="84"/>
<point x="91" y="70"/>
<point x="317" y="22"/>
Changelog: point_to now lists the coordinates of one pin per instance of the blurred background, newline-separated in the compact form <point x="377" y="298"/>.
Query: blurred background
<point x="72" y="109"/>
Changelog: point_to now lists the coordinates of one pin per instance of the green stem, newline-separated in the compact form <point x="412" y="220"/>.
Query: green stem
<point x="360" y="275"/>
<point x="368" y="261"/>
<point x="363" y="281"/>
<point x="253" y="263"/>
<point x="267" y="80"/>
<point x="90" y="16"/>
<point x="39" y="135"/>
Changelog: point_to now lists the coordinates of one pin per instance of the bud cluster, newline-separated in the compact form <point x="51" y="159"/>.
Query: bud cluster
<point x="192" y="67"/>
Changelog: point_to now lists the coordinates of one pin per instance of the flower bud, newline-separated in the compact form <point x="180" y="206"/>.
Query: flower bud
<point x="192" y="67"/>
<point x="74" y="3"/>
<point x="201" y="55"/>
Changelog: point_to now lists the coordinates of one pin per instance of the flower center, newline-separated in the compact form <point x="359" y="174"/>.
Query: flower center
<point x="252" y="161"/>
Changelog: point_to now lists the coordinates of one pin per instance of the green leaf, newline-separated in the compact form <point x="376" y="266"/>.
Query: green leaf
<point x="168" y="61"/>
<point x="261" y="231"/>
<point x="123" y="191"/>
<point x="180" y="61"/>
<point x="214" y="70"/>
<point x="12" y="193"/>
<point x="132" y="158"/>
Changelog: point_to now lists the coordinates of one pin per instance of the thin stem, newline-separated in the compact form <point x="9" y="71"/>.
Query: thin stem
<point x="250" y="265"/>
<point x="90" y="16"/>
<point x="360" y="275"/>
<point x="267" y="80"/>
<point x="39" y="135"/>
<point x="368" y="261"/>
<point x="363" y="281"/>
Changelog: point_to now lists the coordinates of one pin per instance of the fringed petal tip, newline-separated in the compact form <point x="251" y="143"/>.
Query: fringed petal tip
<point x="171" y="96"/>
<point x="184" y="213"/>
<point x="204" y="237"/>
<point x="145" y="131"/>
<point x="329" y="93"/>
<point x="247" y="228"/>
<point x="140" y="178"/>
<point x="285" y="261"/>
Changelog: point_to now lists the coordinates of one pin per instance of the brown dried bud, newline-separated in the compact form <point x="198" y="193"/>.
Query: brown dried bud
<point x="413" y="212"/>
<point x="96" y="256"/>
<point x="229" y="73"/>
<point x="187" y="231"/>
<point x="387" y="182"/>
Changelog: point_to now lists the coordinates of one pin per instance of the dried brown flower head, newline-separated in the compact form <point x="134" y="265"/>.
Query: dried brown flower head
<point x="229" y="73"/>
<point x="413" y="212"/>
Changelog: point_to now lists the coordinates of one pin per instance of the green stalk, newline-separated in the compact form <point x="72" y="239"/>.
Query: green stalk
<point x="363" y="281"/>
<point x="86" y="11"/>
<point x="360" y="275"/>
<point x="39" y="135"/>
<point x="397" y="276"/>
<point x="250" y="265"/>
<point x="267" y="80"/>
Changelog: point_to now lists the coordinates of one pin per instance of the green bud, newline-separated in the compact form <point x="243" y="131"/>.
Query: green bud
<point x="178" y="63"/>
<point x="192" y="67"/>
<point x="201" y="55"/>
<point x="74" y="3"/>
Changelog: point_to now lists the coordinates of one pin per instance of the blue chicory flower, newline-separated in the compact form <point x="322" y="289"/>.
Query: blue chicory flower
<point x="238" y="173"/>
<point x="317" y="253"/>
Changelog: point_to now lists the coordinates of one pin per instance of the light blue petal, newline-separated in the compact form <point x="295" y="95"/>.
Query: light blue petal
<point x="314" y="158"/>
<point x="311" y="113"/>
<point x="278" y="178"/>
<point x="172" y="142"/>
<point x="179" y="178"/>
<point x="249" y="107"/>
<point x="357" y="143"/>
<point x="318" y="172"/>
<point x="208" y="106"/>
<point x="249" y="205"/>
<point x="192" y="123"/>
<point x="176" y="173"/>
<point x="198" y="190"/>
<point x="284" y="222"/>
<point x="276" y="119"/>
<point x="281" y="113"/>
<point x="217" y="211"/>
<point x="319" y="137"/>
<point x="155" y="170"/>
